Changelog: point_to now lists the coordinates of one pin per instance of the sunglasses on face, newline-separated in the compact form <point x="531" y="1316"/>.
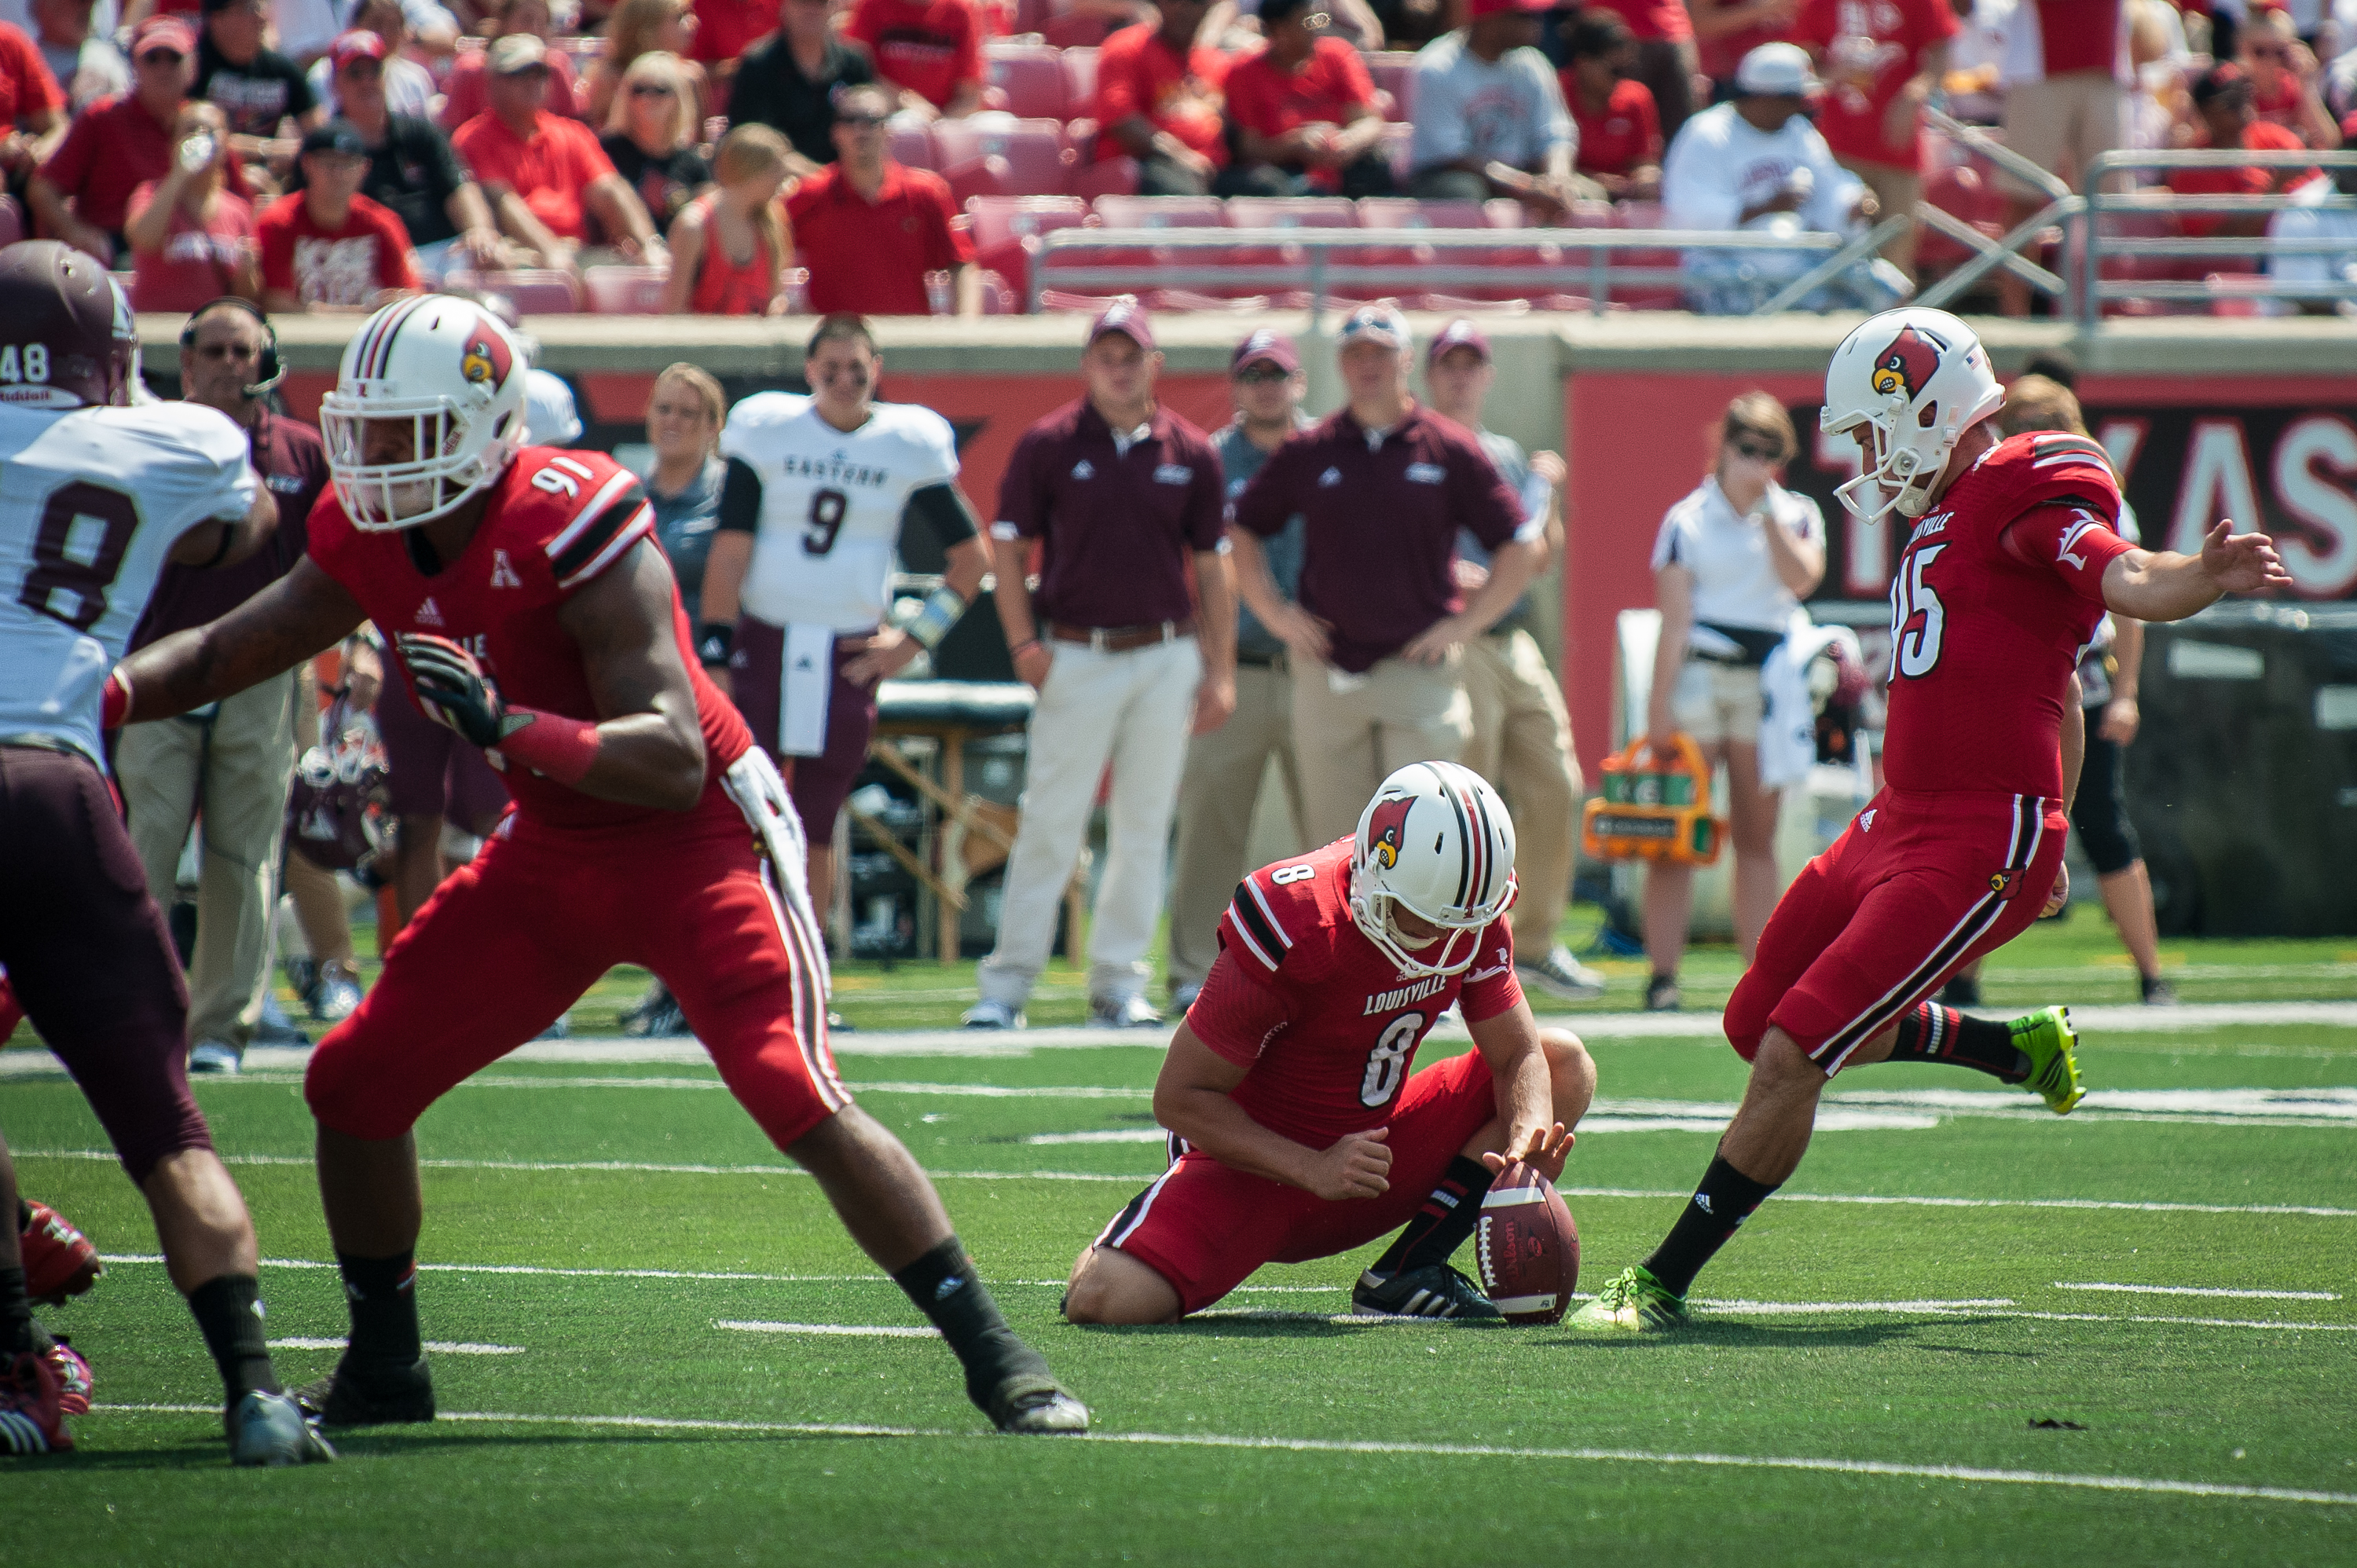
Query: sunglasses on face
<point x="1757" y="451"/>
<point x="860" y="122"/>
<point x="1261" y="375"/>
<point x="162" y="57"/>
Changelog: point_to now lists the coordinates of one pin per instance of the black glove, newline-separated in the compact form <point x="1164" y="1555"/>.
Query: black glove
<point x="453" y="689"/>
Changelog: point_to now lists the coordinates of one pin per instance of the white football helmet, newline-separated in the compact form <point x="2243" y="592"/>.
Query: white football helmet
<point x="1436" y="842"/>
<point x="450" y="373"/>
<point x="1914" y="380"/>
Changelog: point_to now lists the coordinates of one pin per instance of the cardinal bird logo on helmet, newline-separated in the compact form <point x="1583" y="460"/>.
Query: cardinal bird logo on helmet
<point x="486" y="360"/>
<point x="1907" y="365"/>
<point x="1387" y="829"/>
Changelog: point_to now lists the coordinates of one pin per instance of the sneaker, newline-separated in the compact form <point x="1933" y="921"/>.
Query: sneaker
<point x="1634" y="1302"/>
<point x="31" y="1421"/>
<point x="988" y="1015"/>
<point x="347" y="1398"/>
<point x="215" y="1056"/>
<point x="336" y="995"/>
<point x="74" y="1381"/>
<point x="1123" y="1013"/>
<point x="303" y="978"/>
<point x="1560" y="976"/>
<point x="2046" y="1038"/>
<point x="1661" y="994"/>
<point x="1964" y="991"/>
<point x="1435" y="1291"/>
<point x="1183" y="994"/>
<point x="271" y="1430"/>
<point x="58" y="1260"/>
<point x="274" y="1027"/>
<point x="1030" y="1404"/>
<point x="2158" y="992"/>
<point x="658" y="1018"/>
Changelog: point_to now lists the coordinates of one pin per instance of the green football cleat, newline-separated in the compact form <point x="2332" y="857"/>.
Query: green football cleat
<point x="1633" y="1302"/>
<point x="2046" y="1038"/>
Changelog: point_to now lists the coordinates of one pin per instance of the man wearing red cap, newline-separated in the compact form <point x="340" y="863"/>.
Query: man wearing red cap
<point x="412" y="169"/>
<point x="83" y="193"/>
<point x="1121" y="495"/>
<point x="1489" y="118"/>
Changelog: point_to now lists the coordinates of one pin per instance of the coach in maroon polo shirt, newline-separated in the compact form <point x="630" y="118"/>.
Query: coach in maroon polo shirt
<point x="1120" y="494"/>
<point x="1379" y="632"/>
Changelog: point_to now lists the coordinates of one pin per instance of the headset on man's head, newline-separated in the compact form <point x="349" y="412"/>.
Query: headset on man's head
<point x="267" y="368"/>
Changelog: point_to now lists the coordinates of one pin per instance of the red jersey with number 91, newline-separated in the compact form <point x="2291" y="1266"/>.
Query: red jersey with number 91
<point x="1999" y="589"/>
<point x="1326" y="1024"/>
<point x="558" y="520"/>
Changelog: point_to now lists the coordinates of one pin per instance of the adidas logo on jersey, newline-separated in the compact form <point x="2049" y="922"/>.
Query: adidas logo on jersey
<point x="1085" y="470"/>
<point x="504" y="572"/>
<point x="427" y="615"/>
<point x="1866" y="821"/>
<point x="1330" y="478"/>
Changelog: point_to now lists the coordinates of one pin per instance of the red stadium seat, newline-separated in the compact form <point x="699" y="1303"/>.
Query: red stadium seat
<point x="1069" y="32"/>
<point x="1398" y="212"/>
<point x="534" y="291"/>
<point x="1081" y="77"/>
<point x="911" y="146"/>
<point x="1292" y="213"/>
<point x="978" y="177"/>
<point x="1961" y="192"/>
<point x="625" y="291"/>
<point x="997" y="297"/>
<point x="1391" y="69"/>
<point x="1006" y="228"/>
<point x="1113" y="177"/>
<point x="1034" y="80"/>
<point x="1039" y="161"/>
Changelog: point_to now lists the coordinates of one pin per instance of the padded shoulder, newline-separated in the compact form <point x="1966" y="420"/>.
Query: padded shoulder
<point x="1286" y="918"/>
<point x="581" y="511"/>
<point x="2041" y="468"/>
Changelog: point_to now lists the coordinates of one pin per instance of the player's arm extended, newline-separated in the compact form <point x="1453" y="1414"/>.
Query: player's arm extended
<point x="298" y="615"/>
<point x="2161" y="585"/>
<point x="1517" y="1068"/>
<point x="650" y="738"/>
<point x="226" y="541"/>
<point x="1191" y="1098"/>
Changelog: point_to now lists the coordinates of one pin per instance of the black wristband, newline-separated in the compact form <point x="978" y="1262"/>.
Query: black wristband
<point x="714" y="642"/>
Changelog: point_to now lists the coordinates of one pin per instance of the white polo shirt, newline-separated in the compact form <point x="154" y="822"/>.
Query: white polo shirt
<point x="1735" y="578"/>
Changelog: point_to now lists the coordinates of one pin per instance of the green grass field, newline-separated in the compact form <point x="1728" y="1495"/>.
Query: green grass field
<point x="1870" y="1386"/>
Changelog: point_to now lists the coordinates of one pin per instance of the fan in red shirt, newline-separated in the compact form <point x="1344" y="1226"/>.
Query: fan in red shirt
<point x="869" y="229"/>
<point x="2222" y="97"/>
<point x="534" y="612"/>
<point x="1620" y="129"/>
<point x="1881" y="58"/>
<point x="328" y="247"/>
<point x="464" y="91"/>
<point x="191" y="239"/>
<point x="1727" y="30"/>
<point x="31" y="105"/>
<point x="1297" y="1128"/>
<point x="1158" y="98"/>
<point x="1666" y="59"/>
<point x="546" y="177"/>
<point x="1304" y="112"/>
<point x="929" y="49"/>
<point x="118" y="145"/>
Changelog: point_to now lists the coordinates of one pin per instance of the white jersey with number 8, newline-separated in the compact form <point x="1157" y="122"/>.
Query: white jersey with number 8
<point x="832" y="502"/>
<point x="91" y="501"/>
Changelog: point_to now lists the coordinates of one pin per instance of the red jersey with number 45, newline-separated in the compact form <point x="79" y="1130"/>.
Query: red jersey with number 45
<point x="1326" y="1024"/>
<point x="558" y="520"/>
<point x="1999" y="590"/>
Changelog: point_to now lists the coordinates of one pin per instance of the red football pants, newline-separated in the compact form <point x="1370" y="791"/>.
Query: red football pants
<point x="1205" y="1227"/>
<point x="510" y="940"/>
<point x="1918" y="885"/>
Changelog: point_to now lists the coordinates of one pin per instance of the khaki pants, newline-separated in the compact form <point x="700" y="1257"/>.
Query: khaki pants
<point x="236" y="769"/>
<point x="1216" y="799"/>
<point x="1899" y="190"/>
<point x="1522" y="745"/>
<point x="1347" y="741"/>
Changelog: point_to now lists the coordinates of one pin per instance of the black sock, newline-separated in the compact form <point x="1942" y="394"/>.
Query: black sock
<point x="19" y="1329"/>
<point x="1719" y="1207"/>
<point x="944" y="1285"/>
<point x="23" y="1217"/>
<point x="1935" y="1034"/>
<point x="382" y="1295"/>
<point x="1440" y="1227"/>
<point x="229" y="1311"/>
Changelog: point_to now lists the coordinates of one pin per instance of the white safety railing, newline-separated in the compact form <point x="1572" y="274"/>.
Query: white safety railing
<point x="2063" y="206"/>
<point x="2125" y="199"/>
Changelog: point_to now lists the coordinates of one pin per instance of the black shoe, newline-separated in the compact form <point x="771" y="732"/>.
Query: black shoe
<point x="2158" y="992"/>
<point x="1661" y="994"/>
<point x="1031" y="1404"/>
<point x="1964" y="991"/>
<point x="659" y="1019"/>
<point x="1434" y="1290"/>
<point x="346" y="1398"/>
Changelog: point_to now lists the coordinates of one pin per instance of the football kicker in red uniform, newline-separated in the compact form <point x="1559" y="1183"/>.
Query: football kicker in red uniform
<point x="533" y="613"/>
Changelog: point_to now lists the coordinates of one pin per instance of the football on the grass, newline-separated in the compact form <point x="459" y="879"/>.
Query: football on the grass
<point x="1527" y="1247"/>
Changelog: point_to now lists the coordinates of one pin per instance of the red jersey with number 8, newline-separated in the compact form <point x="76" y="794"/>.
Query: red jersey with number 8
<point x="1328" y="1025"/>
<point x="1999" y="591"/>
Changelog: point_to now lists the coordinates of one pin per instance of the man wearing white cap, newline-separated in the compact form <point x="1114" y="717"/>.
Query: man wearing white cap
<point x="1377" y="641"/>
<point x="1757" y="164"/>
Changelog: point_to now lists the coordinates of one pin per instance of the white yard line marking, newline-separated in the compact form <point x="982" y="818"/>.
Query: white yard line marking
<point x="872" y="1331"/>
<point x="2203" y="1290"/>
<point x="1704" y="1118"/>
<point x="439" y="1347"/>
<point x="1967" y="1475"/>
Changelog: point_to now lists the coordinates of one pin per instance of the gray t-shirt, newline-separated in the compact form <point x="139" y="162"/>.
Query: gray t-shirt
<point x="1242" y="459"/>
<point x="1512" y="110"/>
<point x="1513" y="466"/>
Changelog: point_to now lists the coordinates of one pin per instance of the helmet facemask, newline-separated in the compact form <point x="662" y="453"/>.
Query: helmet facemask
<point x="1374" y="910"/>
<point x="435" y="477"/>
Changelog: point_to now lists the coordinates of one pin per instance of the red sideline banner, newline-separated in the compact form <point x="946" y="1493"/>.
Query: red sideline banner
<point x="2278" y="455"/>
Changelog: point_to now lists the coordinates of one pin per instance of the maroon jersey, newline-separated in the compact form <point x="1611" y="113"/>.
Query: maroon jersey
<point x="556" y="520"/>
<point x="1998" y="592"/>
<point x="1325" y="1022"/>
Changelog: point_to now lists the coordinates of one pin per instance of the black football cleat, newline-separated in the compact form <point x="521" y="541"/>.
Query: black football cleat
<point x="348" y="1398"/>
<point x="1034" y="1402"/>
<point x="1435" y="1291"/>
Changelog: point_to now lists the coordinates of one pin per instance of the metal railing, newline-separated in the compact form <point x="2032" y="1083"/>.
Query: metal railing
<point x="2095" y="289"/>
<point x="1307" y="260"/>
<point x="2063" y="206"/>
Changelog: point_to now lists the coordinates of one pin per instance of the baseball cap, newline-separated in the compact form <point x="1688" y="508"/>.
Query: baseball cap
<point x="338" y="136"/>
<point x="1266" y="344"/>
<point x="1480" y="8"/>
<point x="358" y="44"/>
<point x="2218" y="81"/>
<point x="1376" y="324"/>
<point x="1458" y="334"/>
<point x="1128" y="317"/>
<point x="515" y="52"/>
<point x="163" y="32"/>
<point x="1776" y="70"/>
